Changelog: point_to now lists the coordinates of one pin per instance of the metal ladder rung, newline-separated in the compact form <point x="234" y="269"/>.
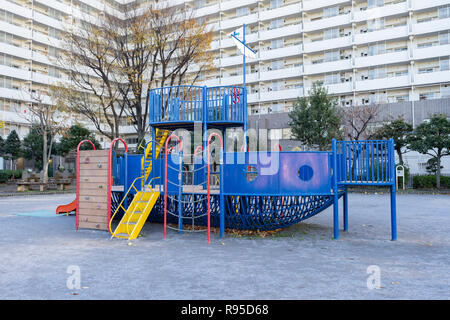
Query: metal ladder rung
<point x="122" y="235"/>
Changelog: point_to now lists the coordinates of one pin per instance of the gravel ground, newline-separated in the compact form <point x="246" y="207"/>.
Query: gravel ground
<point x="40" y="255"/>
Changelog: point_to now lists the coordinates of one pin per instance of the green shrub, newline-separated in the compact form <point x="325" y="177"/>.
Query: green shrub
<point x="429" y="182"/>
<point x="6" y="175"/>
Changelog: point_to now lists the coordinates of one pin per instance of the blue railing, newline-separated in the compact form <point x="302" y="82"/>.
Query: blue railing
<point x="194" y="103"/>
<point x="365" y="162"/>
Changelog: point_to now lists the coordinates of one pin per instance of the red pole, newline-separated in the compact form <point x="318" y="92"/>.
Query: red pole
<point x="166" y="153"/>
<point x="208" y="185"/>
<point x="78" y="180"/>
<point x="109" y="186"/>
<point x="275" y="147"/>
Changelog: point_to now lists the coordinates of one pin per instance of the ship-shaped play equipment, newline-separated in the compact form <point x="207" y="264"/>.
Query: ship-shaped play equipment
<point x="189" y="181"/>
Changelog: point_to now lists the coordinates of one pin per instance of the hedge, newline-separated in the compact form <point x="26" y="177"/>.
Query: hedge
<point x="6" y="175"/>
<point x="429" y="182"/>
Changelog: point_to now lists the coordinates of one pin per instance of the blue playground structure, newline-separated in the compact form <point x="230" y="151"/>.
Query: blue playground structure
<point x="215" y="186"/>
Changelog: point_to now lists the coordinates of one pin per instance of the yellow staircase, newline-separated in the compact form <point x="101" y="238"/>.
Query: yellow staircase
<point x="143" y="202"/>
<point x="146" y="164"/>
<point x="137" y="213"/>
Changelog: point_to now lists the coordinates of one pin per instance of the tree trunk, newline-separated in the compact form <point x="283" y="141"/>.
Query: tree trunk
<point x="400" y="156"/>
<point x="438" y="172"/>
<point x="45" y="158"/>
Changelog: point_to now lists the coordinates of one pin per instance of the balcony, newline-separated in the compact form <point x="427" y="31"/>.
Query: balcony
<point x="233" y="61"/>
<point x="280" y="95"/>
<point x="383" y="83"/>
<point x="19" y="10"/>
<point x="432" y="77"/>
<point x="237" y="80"/>
<point x="310" y="5"/>
<point x="382" y="35"/>
<point x="292" y="9"/>
<point x="283" y="52"/>
<point x="58" y="5"/>
<point x="286" y="31"/>
<point x="431" y="26"/>
<point x="49" y="21"/>
<point x="432" y="52"/>
<point x="12" y="50"/>
<point x="239" y="21"/>
<point x="281" y="74"/>
<point x="339" y="20"/>
<point x="206" y="11"/>
<point x="331" y="66"/>
<point x="16" y="73"/>
<point x="329" y="44"/>
<point x="397" y="9"/>
<point x="381" y="59"/>
<point x="418" y="5"/>
<point x="15" y="30"/>
<point x="233" y="4"/>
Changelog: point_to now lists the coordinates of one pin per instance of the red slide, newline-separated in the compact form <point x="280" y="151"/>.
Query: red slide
<point x="67" y="207"/>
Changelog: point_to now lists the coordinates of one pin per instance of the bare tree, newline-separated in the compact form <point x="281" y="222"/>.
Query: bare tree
<point x="156" y="46"/>
<point x="47" y="117"/>
<point x="358" y="120"/>
<point x="94" y="90"/>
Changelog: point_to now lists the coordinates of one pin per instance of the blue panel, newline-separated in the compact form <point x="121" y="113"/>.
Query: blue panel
<point x="277" y="173"/>
<point x="133" y="170"/>
<point x="315" y="172"/>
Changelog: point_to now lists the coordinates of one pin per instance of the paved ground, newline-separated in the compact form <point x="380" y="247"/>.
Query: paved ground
<point x="300" y="263"/>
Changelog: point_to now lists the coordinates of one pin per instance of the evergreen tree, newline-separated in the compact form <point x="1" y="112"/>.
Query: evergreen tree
<point x="398" y="130"/>
<point x="74" y="136"/>
<point x="433" y="138"/>
<point x="12" y="146"/>
<point x="315" y="119"/>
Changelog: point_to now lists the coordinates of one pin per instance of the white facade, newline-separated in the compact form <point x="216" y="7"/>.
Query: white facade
<point x="365" y="51"/>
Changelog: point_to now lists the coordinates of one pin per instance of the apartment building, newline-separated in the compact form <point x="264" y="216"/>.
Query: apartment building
<point x="30" y="42"/>
<point x="364" y="51"/>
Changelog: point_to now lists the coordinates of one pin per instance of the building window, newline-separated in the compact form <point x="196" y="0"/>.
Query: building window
<point x="444" y="38"/>
<point x="242" y="11"/>
<point x="276" y="4"/>
<point x="332" y="78"/>
<point x="330" y="12"/>
<point x="445" y="92"/>
<point x="427" y="96"/>
<point x="275" y="134"/>
<point x="277" y="23"/>
<point x="377" y="73"/>
<point x="444" y="12"/>
<point x="375" y="3"/>
<point x="331" y="56"/>
<point x="379" y="48"/>
<point x="444" y="64"/>
<point x="376" y="24"/>
<point x="331" y="33"/>
<point x="277" y="43"/>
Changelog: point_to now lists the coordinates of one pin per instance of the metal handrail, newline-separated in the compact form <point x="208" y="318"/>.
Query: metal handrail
<point x="142" y="194"/>
<point x="120" y="204"/>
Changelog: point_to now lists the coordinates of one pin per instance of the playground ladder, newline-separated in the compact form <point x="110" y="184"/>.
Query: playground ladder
<point x="161" y="136"/>
<point x="137" y="213"/>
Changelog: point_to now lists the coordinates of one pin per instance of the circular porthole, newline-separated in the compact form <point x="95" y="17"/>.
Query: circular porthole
<point x="251" y="174"/>
<point x="305" y="173"/>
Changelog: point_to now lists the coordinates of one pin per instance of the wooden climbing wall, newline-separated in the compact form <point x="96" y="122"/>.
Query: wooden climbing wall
<point x="93" y="192"/>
